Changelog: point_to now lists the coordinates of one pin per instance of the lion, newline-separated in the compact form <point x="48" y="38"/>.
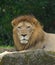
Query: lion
<point x="28" y="33"/>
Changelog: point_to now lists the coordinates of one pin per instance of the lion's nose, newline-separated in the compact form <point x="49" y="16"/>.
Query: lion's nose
<point x="24" y="35"/>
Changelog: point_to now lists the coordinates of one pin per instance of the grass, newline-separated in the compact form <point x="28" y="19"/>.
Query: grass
<point x="6" y="46"/>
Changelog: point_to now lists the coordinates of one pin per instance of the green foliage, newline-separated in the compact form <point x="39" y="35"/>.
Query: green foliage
<point x="44" y="10"/>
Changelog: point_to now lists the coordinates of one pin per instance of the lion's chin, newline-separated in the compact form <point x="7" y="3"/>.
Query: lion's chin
<point x="23" y="41"/>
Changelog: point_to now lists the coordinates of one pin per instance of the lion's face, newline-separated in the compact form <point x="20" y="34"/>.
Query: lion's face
<point x="24" y="31"/>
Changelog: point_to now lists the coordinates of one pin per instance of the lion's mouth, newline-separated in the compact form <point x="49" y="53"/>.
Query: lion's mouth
<point x="24" y="41"/>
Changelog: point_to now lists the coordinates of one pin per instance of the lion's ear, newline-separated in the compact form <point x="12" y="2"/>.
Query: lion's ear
<point x="13" y="22"/>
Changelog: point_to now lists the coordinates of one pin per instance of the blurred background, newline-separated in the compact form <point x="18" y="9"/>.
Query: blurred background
<point x="43" y="10"/>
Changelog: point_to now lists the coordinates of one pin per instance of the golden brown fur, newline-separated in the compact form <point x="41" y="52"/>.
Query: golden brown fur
<point x="38" y="40"/>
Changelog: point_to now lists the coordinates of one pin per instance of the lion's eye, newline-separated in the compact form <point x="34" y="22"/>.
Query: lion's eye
<point x="28" y="27"/>
<point x="19" y="27"/>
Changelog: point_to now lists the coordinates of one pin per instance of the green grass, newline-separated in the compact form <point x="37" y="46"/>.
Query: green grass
<point x="6" y="46"/>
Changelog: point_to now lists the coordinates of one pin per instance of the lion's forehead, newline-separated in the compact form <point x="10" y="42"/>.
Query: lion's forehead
<point x="24" y="24"/>
<point x="20" y="24"/>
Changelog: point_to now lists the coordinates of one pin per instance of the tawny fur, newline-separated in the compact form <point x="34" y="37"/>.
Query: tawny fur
<point x="39" y="39"/>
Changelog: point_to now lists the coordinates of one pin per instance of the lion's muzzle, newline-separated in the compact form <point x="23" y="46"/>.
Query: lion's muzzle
<point x="24" y="39"/>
